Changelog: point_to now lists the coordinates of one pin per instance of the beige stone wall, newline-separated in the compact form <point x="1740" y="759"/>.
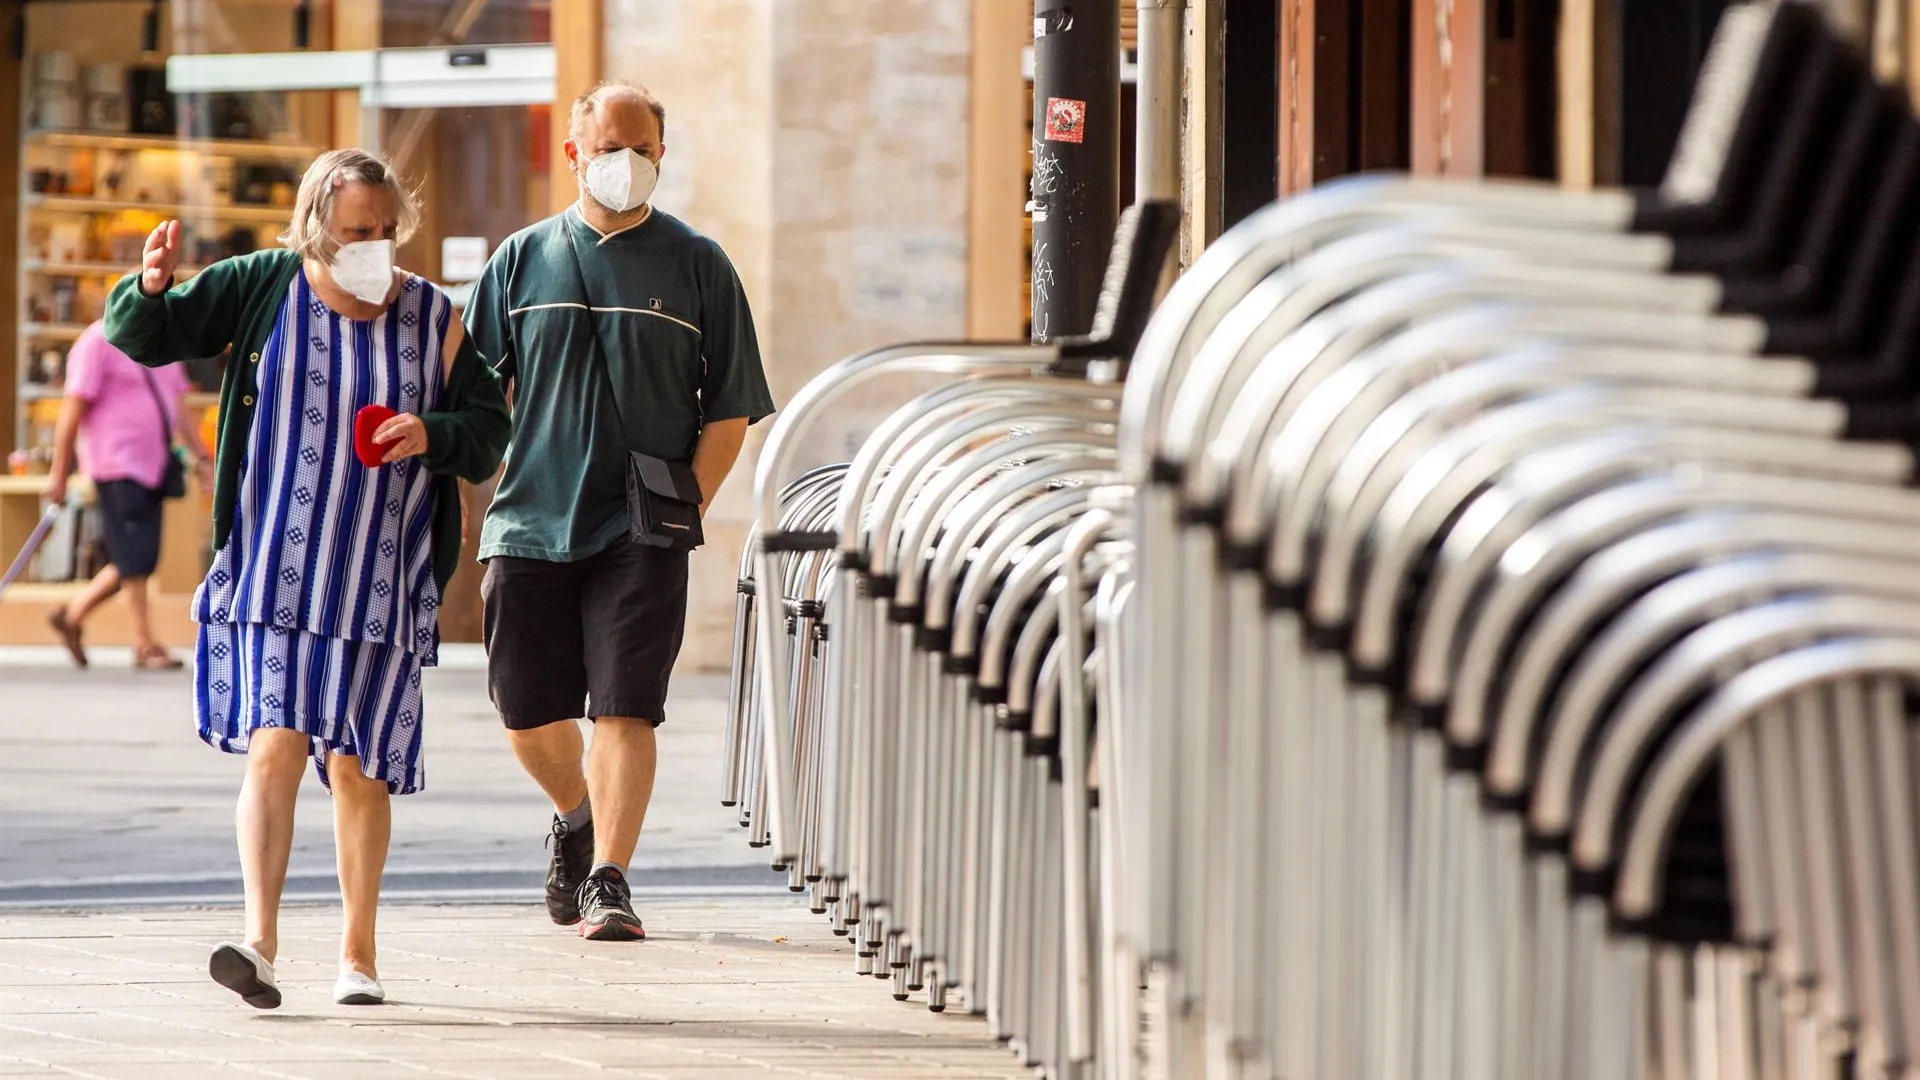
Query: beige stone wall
<point x="823" y="143"/>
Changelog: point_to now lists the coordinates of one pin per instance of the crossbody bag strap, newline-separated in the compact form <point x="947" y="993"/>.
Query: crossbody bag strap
<point x="597" y="348"/>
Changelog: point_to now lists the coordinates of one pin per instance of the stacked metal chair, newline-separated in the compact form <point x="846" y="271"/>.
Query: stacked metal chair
<point x="1470" y="635"/>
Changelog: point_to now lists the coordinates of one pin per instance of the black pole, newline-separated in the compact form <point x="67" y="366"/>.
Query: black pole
<point x="1076" y="159"/>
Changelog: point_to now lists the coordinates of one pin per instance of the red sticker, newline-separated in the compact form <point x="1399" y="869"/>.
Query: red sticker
<point x="1066" y="120"/>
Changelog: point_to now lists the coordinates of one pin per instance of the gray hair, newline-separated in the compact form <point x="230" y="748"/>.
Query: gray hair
<point x="588" y="104"/>
<point x="313" y="208"/>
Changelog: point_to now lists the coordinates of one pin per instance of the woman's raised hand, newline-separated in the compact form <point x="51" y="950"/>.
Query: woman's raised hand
<point x="161" y="258"/>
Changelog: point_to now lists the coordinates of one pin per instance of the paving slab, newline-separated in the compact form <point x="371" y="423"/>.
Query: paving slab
<point x="109" y="797"/>
<point x="118" y="873"/>
<point x="475" y="993"/>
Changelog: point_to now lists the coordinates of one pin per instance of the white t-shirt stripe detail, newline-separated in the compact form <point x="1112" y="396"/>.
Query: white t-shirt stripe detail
<point x="605" y="311"/>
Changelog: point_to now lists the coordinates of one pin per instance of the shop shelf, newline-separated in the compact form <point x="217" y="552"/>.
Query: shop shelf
<point x="270" y="215"/>
<point x="35" y="484"/>
<point x="197" y="399"/>
<point x="31" y="484"/>
<point x="237" y="148"/>
<point x="52" y="332"/>
<point x="44" y="592"/>
<point x="88" y="269"/>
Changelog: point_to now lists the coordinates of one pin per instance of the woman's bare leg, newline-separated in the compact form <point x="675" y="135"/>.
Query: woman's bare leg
<point x="362" y="826"/>
<point x="263" y="823"/>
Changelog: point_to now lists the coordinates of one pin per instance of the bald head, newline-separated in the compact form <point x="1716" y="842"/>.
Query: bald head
<point x="616" y="107"/>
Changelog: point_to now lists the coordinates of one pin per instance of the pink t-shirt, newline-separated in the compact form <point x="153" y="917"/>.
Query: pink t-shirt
<point x="122" y="436"/>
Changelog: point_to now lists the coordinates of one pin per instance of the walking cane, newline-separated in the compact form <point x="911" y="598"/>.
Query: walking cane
<point x="34" y="540"/>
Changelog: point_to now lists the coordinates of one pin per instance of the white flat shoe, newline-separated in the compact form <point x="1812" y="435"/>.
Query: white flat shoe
<point x="353" y="988"/>
<point x="245" y="972"/>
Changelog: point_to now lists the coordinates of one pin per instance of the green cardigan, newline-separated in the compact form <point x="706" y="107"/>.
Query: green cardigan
<point x="237" y="302"/>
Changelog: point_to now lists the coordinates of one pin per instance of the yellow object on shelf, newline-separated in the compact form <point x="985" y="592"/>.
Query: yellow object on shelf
<point x="210" y="424"/>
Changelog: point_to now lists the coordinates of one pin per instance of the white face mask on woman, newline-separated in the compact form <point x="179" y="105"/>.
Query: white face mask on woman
<point x="622" y="180"/>
<point x="365" y="269"/>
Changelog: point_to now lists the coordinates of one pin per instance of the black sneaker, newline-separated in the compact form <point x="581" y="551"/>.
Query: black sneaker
<point x="572" y="858"/>
<point x="606" y="908"/>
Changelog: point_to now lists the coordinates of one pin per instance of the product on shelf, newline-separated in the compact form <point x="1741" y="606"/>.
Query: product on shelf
<point x="56" y="91"/>
<point x="107" y="97"/>
<point x="152" y="103"/>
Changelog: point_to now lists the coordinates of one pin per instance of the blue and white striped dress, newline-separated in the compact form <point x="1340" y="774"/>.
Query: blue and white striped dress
<point x="321" y="610"/>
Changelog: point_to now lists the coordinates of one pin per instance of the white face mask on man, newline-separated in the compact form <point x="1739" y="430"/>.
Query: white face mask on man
<point x="365" y="269"/>
<point x="621" y="180"/>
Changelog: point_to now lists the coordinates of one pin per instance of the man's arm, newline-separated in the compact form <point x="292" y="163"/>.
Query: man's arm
<point x="86" y="377"/>
<point x="489" y="324"/>
<point x="66" y="434"/>
<point x="714" y="455"/>
<point x="734" y="394"/>
<point x="467" y="435"/>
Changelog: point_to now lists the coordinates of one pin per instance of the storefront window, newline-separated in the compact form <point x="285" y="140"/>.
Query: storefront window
<point x="108" y="143"/>
<point x="408" y="23"/>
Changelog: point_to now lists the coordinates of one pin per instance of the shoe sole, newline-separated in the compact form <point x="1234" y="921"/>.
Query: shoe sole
<point x="615" y="928"/>
<point x="360" y="999"/>
<point x="234" y="971"/>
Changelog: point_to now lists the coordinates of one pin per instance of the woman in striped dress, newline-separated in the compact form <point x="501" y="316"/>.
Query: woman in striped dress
<point x="320" y="609"/>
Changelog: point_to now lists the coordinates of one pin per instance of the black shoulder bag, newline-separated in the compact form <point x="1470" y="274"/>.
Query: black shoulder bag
<point x="663" y="497"/>
<point x="173" y="482"/>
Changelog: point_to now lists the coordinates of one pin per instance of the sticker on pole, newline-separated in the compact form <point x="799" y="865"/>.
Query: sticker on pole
<point x="1066" y="120"/>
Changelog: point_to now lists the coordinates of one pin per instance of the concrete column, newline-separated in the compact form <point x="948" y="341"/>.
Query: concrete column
<point x="579" y="45"/>
<point x="356" y="25"/>
<point x="825" y="146"/>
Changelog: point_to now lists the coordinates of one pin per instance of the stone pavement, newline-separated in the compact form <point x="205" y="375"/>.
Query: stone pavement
<point x="117" y="872"/>
<point x="107" y="796"/>
<point x="722" y="990"/>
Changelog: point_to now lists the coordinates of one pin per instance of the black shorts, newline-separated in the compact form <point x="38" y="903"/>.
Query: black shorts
<point x="591" y="638"/>
<point x="129" y="520"/>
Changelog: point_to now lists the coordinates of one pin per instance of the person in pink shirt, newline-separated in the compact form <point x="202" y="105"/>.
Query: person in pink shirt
<point x="123" y="418"/>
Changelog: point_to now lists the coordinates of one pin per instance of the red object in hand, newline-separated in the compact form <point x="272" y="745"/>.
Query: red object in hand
<point x="365" y="423"/>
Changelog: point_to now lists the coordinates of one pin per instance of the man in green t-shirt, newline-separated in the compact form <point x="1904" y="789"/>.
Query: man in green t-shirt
<point x="580" y="621"/>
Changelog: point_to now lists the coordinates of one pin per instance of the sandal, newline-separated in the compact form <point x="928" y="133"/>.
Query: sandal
<point x="156" y="659"/>
<point x="69" y="635"/>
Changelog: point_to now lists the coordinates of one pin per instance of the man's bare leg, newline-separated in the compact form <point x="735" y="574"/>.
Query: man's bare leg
<point x="98" y="591"/>
<point x="620" y="767"/>
<point x="148" y="653"/>
<point x="66" y="619"/>
<point x="551" y="755"/>
<point x="620" y="770"/>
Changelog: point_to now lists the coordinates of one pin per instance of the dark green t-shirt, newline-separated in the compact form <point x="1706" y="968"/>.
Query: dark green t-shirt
<point x="679" y="347"/>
